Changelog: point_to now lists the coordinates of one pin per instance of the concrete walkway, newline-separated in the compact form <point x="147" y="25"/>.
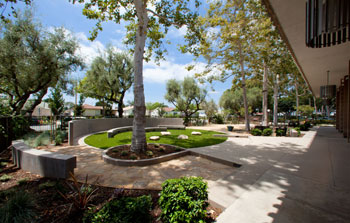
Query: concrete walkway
<point x="281" y="180"/>
<point x="284" y="179"/>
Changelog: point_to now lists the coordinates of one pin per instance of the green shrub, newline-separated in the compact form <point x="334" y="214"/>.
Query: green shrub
<point x="123" y="210"/>
<point x="22" y="181"/>
<point x="149" y="153"/>
<point x="161" y="149"/>
<point x="124" y="153"/>
<point x="60" y="137"/>
<point x="133" y="157"/>
<point x="46" y="185"/>
<point x="280" y="132"/>
<point x="256" y="132"/>
<point x="41" y="140"/>
<point x="19" y="208"/>
<point x="218" y="119"/>
<point x="20" y="126"/>
<point x="298" y="130"/>
<point x="267" y="132"/>
<point x="5" y="178"/>
<point x="177" y="149"/>
<point x="184" y="200"/>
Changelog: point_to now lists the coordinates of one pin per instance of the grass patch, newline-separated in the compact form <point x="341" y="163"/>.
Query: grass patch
<point x="101" y="141"/>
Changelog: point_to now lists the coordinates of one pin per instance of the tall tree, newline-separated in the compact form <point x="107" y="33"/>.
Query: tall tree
<point x="78" y="108"/>
<point x="228" y="42"/>
<point x="186" y="96"/>
<point x="56" y="102"/>
<point x="210" y="109"/>
<point x="109" y="78"/>
<point x="32" y="60"/>
<point x="148" y="20"/>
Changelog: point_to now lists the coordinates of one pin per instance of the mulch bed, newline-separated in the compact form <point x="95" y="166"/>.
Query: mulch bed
<point x="52" y="207"/>
<point x="153" y="150"/>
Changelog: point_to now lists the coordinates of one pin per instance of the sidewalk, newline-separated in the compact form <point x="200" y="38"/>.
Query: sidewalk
<point x="284" y="179"/>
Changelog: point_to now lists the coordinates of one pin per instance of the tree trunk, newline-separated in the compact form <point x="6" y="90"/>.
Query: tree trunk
<point x="120" y="105"/>
<point x="315" y="107"/>
<point x="245" y="102"/>
<point x="275" y="102"/>
<point x="265" y="94"/>
<point x="139" y="143"/>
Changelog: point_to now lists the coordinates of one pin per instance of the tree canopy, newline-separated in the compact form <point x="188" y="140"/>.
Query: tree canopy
<point x="186" y="96"/>
<point x="32" y="60"/>
<point x="110" y="76"/>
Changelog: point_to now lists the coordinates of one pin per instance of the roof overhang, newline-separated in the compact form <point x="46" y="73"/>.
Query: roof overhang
<point x="289" y="17"/>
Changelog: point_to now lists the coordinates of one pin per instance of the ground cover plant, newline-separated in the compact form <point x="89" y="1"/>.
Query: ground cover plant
<point x="101" y="141"/>
<point x="38" y="199"/>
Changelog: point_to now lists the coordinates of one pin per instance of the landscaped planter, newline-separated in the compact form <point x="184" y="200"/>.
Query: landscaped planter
<point x="142" y="162"/>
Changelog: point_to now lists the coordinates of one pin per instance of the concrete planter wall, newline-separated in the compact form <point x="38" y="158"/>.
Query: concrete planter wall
<point x="78" y="128"/>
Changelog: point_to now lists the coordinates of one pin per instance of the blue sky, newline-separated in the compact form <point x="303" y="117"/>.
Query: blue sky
<point x="56" y="13"/>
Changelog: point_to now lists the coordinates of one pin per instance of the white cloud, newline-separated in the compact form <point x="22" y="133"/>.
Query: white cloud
<point x="89" y="50"/>
<point x="169" y="70"/>
<point x="178" y="32"/>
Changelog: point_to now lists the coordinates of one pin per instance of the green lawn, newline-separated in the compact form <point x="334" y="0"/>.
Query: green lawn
<point x="101" y="141"/>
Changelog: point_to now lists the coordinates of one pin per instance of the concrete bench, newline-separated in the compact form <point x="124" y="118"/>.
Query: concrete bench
<point x="112" y="132"/>
<point x="179" y="127"/>
<point x="155" y="129"/>
<point x="43" y="163"/>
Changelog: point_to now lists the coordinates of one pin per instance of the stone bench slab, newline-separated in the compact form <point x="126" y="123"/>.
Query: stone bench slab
<point x="179" y="127"/>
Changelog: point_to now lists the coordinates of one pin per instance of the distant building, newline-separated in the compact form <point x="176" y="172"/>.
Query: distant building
<point x="90" y="110"/>
<point x="128" y="111"/>
<point x="42" y="110"/>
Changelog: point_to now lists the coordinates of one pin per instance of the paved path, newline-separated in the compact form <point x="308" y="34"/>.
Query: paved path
<point x="89" y="163"/>
<point x="285" y="179"/>
<point x="281" y="179"/>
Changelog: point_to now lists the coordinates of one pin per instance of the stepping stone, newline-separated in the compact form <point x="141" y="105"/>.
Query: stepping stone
<point x="182" y="137"/>
<point x="165" y="133"/>
<point x="196" y="133"/>
<point x="154" y="138"/>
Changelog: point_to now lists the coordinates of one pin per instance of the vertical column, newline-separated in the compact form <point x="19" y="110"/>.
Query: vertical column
<point x="337" y="114"/>
<point x="341" y="105"/>
<point x="346" y="107"/>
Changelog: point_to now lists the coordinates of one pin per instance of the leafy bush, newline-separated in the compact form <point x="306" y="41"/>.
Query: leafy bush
<point x="280" y="132"/>
<point x="19" y="208"/>
<point x="60" y="137"/>
<point x="256" y="132"/>
<point x="123" y="210"/>
<point x="5" y="178"/>
<point x="20" y="126"/>
<point x="267" y="132"/>
<point x="133" y="157"/>
<point x="46" y="185"/>
<point x="305" y="126"/>
<point x="41" y="140"/>
<point x="218" y="119"/>
<point x="22" y="181"/>
<point x="149" y="153"/>
<point x="124" y="153"/>
<point x="184" y="200"/>
<point x="298" y="130"/>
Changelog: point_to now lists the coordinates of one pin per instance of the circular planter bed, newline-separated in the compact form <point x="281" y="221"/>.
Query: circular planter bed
<point x="156" y="153"/>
